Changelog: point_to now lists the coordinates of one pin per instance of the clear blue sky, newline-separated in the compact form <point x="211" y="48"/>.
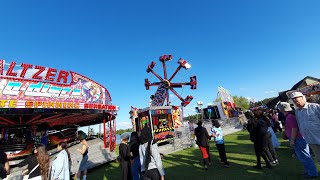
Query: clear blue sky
<point x="253" y="48"/>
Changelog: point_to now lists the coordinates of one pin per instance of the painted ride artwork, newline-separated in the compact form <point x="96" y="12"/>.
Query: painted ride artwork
<point x="163" y="117"/>
<point x="44" y="105"/>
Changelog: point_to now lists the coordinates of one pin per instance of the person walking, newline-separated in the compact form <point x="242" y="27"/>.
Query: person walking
<point x="151" y="163"/>
<point x="308" y="118"/>
<point x="124" y="153"/>
<point x="82" y="166"/>
<point x="297" y="141"/>
<point x="216" y="132"/>
<point x="134" y="154"/>
<point x="203" y="143"/>
<point x="252" y="128"/>
<point x="61" y="165"/>
<point x="264" y="143"/>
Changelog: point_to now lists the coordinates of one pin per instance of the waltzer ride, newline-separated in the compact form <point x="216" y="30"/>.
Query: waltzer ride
<point x="46" y="105"/>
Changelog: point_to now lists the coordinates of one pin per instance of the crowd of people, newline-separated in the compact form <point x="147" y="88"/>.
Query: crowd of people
<point x="301" y="126"/>
<point x="38" y="164"/>
<point x="202" y="140"/>
<point x="140" y="159"/>
<point x="302" y="129"/>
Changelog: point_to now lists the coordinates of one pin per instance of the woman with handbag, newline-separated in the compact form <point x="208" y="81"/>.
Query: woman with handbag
<point x="38" y="164"/>
<point x="151" y="164"/>
<point x="61" y="165"/>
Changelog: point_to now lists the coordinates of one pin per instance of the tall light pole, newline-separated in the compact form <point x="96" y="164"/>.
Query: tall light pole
<point x="200" y="103"/>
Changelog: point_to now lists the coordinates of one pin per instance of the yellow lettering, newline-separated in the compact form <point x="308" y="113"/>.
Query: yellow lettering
<point x="44" y="104"/>
<point x="58" y="104"/>
<point x="13" y="103"/>
<point x="70" y="105"/>
<point x="50" y="104"/>
<point x="2" y="103"/>
<point x="76" y="105"/>
<point x="36" y="104"/>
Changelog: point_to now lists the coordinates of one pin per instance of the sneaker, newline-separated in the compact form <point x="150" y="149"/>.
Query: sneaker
<point x="206" y="168"/>
<point x="227" y="165"/>
<point x="273" y="163"/>
<point x="277" y="162"/>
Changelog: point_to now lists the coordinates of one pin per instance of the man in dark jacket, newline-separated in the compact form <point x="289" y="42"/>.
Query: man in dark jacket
<point x="203" y="143"/>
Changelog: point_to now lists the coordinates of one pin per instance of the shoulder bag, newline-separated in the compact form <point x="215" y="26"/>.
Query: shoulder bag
<point x="27" y="176"/>
<point x="144" y="176"/>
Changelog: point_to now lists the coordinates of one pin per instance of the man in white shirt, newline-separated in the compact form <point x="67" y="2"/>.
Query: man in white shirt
<point x="308" y="118"/>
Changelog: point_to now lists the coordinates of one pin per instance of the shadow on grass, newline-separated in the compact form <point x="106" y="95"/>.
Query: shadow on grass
<point x="187" y="164"/>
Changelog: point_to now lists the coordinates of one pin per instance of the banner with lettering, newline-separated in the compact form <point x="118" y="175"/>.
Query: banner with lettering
<point x="28" y="86"/>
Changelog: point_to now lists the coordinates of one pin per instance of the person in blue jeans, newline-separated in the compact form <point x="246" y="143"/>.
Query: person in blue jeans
<point x="297" y="141"/>
<point x="135" y="158"/>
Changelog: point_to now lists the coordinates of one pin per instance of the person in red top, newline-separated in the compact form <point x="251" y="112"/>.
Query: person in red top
<point x="203" y="143"/>
<point x="297" y="141"/>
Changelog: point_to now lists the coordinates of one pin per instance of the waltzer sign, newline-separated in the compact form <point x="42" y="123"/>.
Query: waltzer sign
<point x="31" y="86"/>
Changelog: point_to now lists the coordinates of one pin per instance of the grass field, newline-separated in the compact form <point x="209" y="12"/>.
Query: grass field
<point x="187" y="164"/>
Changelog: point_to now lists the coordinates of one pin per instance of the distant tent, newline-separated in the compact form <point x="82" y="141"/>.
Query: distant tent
<point x="271" y="104"/>
<point x="307" y="81"/>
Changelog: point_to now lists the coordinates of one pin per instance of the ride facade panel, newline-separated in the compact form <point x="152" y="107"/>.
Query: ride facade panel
<point x="161" y="116"/>
<point x="37" y="101"/>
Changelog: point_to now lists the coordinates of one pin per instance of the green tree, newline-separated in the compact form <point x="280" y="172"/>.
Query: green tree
<point x="263" y="102"/>
<point x="241" y="102"/>
<point x="191" y="118"/>
<point x="121" y="131"/>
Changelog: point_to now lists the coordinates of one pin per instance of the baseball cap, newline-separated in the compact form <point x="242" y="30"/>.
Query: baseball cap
<point x="295" y="94"/>
<point x="125" y="135"/>
<point x="285" y="106"/>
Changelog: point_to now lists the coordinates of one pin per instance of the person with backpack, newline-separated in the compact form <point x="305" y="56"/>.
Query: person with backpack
<point x="150" y="159"/>
<point x="253" y="129"/>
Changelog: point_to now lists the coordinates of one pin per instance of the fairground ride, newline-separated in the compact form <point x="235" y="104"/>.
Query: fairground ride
<point x="160" y="116"/>
<point x="48" y="105"/>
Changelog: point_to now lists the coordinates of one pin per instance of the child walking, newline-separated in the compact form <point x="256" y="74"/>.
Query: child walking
<point x="216" y="132"/>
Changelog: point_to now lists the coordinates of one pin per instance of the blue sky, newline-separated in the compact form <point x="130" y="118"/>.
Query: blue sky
<point x="252" y="48"/>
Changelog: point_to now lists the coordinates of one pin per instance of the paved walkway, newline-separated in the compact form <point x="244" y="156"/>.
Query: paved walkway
<point x="183" y="140"/>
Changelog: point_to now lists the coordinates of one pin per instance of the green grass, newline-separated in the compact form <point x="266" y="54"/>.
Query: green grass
<point x="187" y="164"/>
